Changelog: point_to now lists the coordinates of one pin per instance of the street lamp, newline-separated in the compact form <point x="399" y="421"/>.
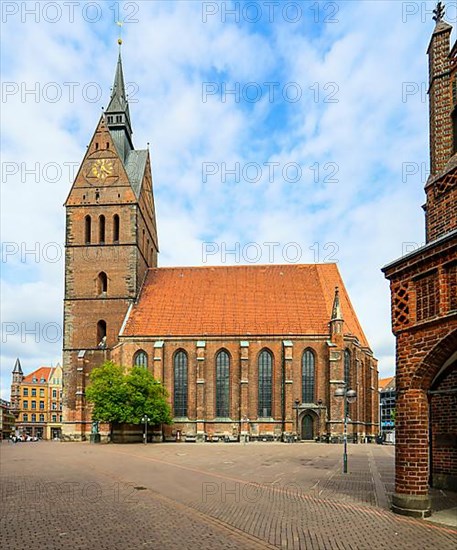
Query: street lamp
<point x="349" y="396"/>
<point x="246" y="428"/>
<point x="145" y="419"/>
<point x="297" y="402"/>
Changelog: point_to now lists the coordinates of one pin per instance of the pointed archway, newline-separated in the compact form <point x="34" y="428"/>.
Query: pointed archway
<point x="307" y="427"/>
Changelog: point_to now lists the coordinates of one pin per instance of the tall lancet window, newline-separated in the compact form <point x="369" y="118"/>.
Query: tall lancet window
<point x="308" y="377"/>
<point x="180" y="384"/>
<point x="87" y="229"/>
<point x="222" y="384"/>
<point x="101" y="229"/>
<point x="265" y="365"/>
<point x="116" y="228"/>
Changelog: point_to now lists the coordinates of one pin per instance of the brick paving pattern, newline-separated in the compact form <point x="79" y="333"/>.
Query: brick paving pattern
<point x="82" y="496"/>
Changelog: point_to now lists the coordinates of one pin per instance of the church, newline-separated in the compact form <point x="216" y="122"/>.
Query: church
<point x="255" y="351"/>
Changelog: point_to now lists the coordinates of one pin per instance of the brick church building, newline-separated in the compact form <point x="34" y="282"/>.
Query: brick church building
<point x="242" y="350"/>
<point x="424" y="307"/>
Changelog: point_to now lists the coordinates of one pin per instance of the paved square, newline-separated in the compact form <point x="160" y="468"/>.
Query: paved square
<point x="186" y="496"/>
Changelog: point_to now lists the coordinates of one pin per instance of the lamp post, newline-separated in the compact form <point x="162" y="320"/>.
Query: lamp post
<point x="145" y="419"/>
<point x="349" y="396"/>
<point x="246" y="429"/>
<point x="297" y="402"/>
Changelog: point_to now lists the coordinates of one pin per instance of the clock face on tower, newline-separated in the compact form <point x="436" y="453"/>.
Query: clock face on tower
<point x="102" y="170"/>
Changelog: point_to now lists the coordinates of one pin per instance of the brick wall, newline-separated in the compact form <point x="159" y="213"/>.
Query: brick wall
<point x="441" y="207"/>
<point x="244" y="381"/>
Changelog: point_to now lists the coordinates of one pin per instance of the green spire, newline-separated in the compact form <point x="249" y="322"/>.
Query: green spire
<point x="117" y="115"/>
<point x="118" y="104"/>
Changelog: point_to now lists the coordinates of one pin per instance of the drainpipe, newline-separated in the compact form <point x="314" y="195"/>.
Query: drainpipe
<point x="283" y="393"/>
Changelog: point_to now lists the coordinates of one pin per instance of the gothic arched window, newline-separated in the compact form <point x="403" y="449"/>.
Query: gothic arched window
<point x="265" y="364"/>
<point x="101" y="229"/>
<point x="347" y="366"/>
<point x="140" y="359"/>
<point x="87" y="229"/>
<point x="101" y="334"/>
<point x="116" y="228"/>
<point x="180" y="384"/>
<point x="308" y="376"/>
<point x="102" y="283"/>
<point x="222" y="384"/>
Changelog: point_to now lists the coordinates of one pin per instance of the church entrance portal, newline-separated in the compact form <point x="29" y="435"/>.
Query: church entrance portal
<point x="307" y="428"/>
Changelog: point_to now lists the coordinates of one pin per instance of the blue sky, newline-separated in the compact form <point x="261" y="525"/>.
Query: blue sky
<point x="326" y="171"/>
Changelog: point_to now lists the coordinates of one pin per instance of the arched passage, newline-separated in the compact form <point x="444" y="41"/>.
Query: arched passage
<point x="443" y="427"/>
<point x="420" y="419"/>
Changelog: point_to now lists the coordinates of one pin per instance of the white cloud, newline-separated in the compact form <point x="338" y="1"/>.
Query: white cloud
<point x="369" y="133"/>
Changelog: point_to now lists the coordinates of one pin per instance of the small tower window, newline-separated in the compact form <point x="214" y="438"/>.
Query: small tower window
<point x="116" y="227"/>
<point x="101" y="334"/>
<point x="96" y="145"/>
<point x="102" y="283"/>
<point x="87" y="229"/>
<point x="107" y="144"/>
<point x="118" y="118"/>
<point x="101" y="229"/>
<point x="110" y="119"/>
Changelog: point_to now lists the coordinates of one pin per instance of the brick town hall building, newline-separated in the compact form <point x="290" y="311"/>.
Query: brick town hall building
<point x="241" y="349"/>
<point x="424" y="307"/>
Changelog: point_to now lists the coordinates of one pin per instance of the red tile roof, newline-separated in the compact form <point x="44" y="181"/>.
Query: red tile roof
<point x="42" y="372"/>
<point x="241" y="301"/>
<point x="386" y="383"/>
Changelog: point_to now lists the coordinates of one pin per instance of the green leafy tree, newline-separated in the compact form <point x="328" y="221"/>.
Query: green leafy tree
<point x="120" y="397"/>
<point x="108" y="393"/>
<point x="146" y="396"/>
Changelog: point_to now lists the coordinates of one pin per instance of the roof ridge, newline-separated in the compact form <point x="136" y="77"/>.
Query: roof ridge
<point x="241" y="265"/>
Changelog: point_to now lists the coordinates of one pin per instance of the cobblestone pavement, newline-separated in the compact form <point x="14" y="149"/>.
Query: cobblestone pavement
<point x="186" y="496"/>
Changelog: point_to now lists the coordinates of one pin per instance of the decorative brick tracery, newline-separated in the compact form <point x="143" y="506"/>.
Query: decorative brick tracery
<point x="400" y="305"/>
<point x="445" y="184"/>
<point x="427" y="296"/>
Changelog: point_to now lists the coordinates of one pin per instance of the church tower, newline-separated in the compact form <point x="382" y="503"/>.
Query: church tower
<point x="111" y="241"/>
<point x="17" y="378"/>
